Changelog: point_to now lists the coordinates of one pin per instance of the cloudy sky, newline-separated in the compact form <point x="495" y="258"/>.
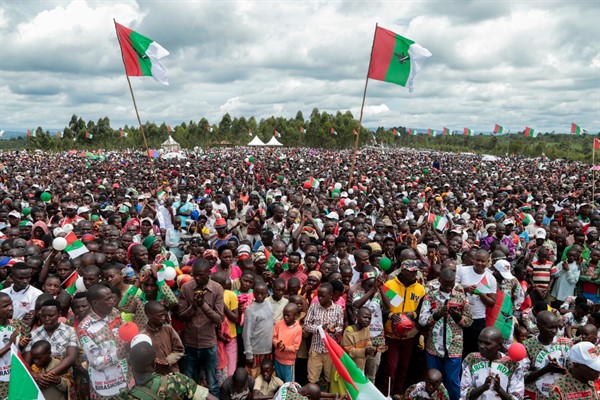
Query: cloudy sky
<point x="507" y="62"/>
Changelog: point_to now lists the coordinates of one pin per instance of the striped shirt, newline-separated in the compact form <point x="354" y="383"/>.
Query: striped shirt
<point x="541" y="273"/>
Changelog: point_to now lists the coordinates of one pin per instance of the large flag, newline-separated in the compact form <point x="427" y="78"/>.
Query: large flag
<point x="468" y="132"/>
<point x="446" y="131"/>
<point x="141" y="55"/>
<point x="31" y="133"/>
<point x="498" y="129"/>
<point x="357" y="384"/>
<point x="21" y="385"/>
<point x="596" y="144"/>
<point x="88" y="135"/>
<point x="530" y="133"/>
<point x="501" y="314"/>
<point x="576" y="129"/>
<point x="396" y="59"/>
<point x="276" y="134"/>
<point x="124" y="134"/>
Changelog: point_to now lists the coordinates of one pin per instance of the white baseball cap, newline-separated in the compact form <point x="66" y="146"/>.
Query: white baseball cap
<point x="540" y="233"/>
<point x="587" y="354"/>
<point x="139" y="339"/>
<point x="503" y="267"/>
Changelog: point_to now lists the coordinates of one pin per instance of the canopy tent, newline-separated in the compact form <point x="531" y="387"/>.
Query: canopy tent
<point x="273" y="142"/>
<point x="256" y="142"/>
<point x="170" y="144"/>
<point x="172" y="155"/>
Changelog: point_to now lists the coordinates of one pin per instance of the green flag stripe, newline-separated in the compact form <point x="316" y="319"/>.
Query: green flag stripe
<point x="398" y="71"/>
<point x="140" y="44"/>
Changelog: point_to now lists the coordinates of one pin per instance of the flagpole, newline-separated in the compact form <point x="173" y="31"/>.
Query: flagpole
<point x="136" y="109"/>
<point x="594" y="174"/>
<point x="362" y="107"/>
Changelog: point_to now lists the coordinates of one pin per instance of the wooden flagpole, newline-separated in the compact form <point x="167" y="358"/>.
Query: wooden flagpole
<point x="136" y="110"/>
<point x="594" y="173"/>
<point x="362" y="107"/>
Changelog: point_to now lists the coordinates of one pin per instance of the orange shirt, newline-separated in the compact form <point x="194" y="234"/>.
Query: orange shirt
<point x="291" y="337"/>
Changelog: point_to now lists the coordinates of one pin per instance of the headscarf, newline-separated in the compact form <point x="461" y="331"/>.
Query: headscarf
<point x="210" y="253"/>
<point x="258" y="256"/>
<point x="149" y="241"/>
<point x="42" y="225"/>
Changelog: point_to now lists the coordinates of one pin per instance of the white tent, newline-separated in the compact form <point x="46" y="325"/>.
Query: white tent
<point x="172" y="155"/>
<point x="256" y="142"/>
<point x="273" y="142"/>
<point x="170" y="144"/>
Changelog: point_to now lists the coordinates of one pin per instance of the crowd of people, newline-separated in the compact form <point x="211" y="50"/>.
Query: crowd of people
<point x="218" y="275"/>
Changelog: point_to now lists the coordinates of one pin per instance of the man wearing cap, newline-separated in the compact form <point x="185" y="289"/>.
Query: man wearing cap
<point x="222" y="235"/>
<point x="541" y="240"/>
<point x="150" y="385"/>
<point x="406" y="295"/>
<point x="508" y="284"/>
<point x="578" y="382"/>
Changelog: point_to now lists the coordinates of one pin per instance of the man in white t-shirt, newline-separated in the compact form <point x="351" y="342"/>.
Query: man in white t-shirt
<point x="22" y="294"/>
<point x="480" y="286"/>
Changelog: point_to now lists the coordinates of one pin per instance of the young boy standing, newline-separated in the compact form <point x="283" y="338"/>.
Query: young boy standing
<point x="357" y="339"/>
<point x="258" y="329"/>
<point x="42" y="362"/>
<point x="287" y="337"/>
<point x="166" y="342"/>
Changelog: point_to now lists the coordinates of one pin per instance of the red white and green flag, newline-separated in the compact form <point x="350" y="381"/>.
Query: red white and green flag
<point x="576" y="129"/>
<point x="483" y="286"/>
<point x="396" y="59"/>
<point x="21" y="384"/>
<point x="249" y="132"/>
<point x="411" y="132"/>
<point x="395" y="132"/>
<point x="501" y="314"/>
<point x="333" y="131"/>
<point x="438" y="222"/>
<point x="596" y="144"/>
<point x="529" y="133"/>
<point x="354" y="132"/>
<point x="498" y="129"/>
<point x="141" y="55"/>
<point x="314" y="183"/>
<point x="75" y="247"/>
<point x="69" y="283"/>
<point x="356" y="383"/>
<point x="395" y="298"/>
<point x="431" y="132"/>
<point x="31" y="133"/>
<point x="302" y="130"/>
<point x="445" y="131"/>
<point x="88" y="135"/>
<point x="276" y="134"/>
<point x="468" y="132"/>
<point x="123" y="134"/>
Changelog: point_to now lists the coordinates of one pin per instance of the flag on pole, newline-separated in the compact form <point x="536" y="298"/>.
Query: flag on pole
<point x="529" y="133"/>
<point x="354" y="131"/>
<point x="59" y="134"/>
<point x="141" y="55"/>
<point x="395" y="132"/>
<point x="169" y="128"/>
<point x="302" y="130"/>
<point x="276" y="134"/>
<point x="396" y="59"/>
<point x="357" y="385"/>
<point x="576" y="129"/>
<point x="411" y="132"/>
<point x="498" y="129"/>
<point x="468" y="132"/>
<point x="333" y="131"/>
<point x="483" y="286"/>
<point x="314" y="183"/>
<point x="31" y="133"/>
<point x="430" y="132"/>
<point x="88" y="135"/>
<point x="596" y="144"/>
<point x="249" y="132"/>
<point x="445" y="131"/>
<point x="124" y="134"/>
<point x="501" y="314"/>
<point x="21" y="384"/>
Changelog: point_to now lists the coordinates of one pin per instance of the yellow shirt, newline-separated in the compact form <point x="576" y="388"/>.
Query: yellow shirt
<point x="411" y="295"/>
<point x="230" y="301"/>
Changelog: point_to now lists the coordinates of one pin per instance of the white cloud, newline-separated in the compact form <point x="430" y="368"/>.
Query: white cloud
<point x="514" y="63"/>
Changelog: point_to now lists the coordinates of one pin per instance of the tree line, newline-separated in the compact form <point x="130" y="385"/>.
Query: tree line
<point x="322" y="129"/>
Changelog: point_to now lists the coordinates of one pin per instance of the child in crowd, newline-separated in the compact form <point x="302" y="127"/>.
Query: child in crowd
<point x="42" y="362"/>
<point x="166" y="342"/>
<point x="431" y="388"/>
<point x="258" y="329"/>
<point x="266" y="384"/>
<point x="287" y="337"/>
<point x="278" y="302"/>
<point x="357" y="339"/>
